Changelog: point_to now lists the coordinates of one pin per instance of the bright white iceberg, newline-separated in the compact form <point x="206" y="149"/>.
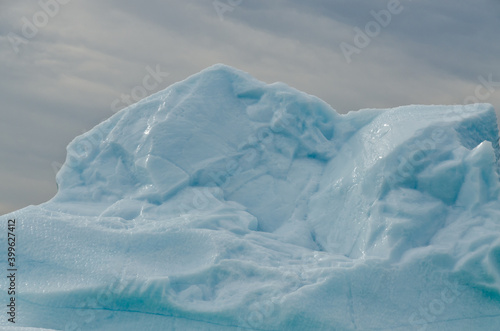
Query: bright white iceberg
<point x="223" y="203"/>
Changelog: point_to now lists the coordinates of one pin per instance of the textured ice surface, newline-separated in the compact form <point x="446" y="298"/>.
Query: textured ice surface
<point x="223" y="203"/>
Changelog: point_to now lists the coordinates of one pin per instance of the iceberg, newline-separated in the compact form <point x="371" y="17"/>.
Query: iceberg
<point x="224" y="203"/>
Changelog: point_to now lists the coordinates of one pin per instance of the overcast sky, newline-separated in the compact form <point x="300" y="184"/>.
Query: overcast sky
<point x="66" y="63"/>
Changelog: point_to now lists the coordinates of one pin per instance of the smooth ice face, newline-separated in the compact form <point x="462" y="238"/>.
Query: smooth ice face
<point x="223" y="203"/>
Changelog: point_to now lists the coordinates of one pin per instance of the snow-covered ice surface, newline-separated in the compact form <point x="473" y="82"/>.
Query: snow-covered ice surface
<point x="223" y="203"/>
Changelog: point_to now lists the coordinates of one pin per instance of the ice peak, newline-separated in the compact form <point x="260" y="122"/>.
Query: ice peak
<point x="224" y="203"/>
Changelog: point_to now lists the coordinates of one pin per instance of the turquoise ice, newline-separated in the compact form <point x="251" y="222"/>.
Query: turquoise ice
<point x="224" y="203"/>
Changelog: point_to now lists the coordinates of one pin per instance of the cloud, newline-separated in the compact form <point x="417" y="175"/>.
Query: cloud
<point x="64" y="80"/>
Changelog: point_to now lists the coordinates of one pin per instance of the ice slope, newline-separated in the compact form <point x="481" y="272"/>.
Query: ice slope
<point x="223" y="203"/>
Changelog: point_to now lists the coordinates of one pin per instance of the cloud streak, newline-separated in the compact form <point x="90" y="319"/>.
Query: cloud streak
<point x="65" y="79"/>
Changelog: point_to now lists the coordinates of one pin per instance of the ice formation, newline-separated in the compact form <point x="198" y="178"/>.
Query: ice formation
<point x="223" y="203"/>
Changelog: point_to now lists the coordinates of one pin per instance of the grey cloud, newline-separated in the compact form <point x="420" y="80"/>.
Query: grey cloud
<point x="64" y="80"/>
